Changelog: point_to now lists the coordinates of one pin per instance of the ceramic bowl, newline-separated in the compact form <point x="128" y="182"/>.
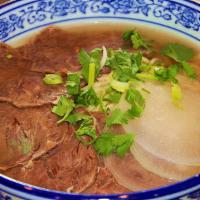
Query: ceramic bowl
<point x="20" y="18"/>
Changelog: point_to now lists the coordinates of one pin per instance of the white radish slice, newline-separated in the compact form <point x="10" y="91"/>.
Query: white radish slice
<point x="129" y="173"/>
<point x="168" y="138"/>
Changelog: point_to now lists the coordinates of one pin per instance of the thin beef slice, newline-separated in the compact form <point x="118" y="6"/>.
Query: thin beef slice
<point x="71" y="167"/>
<point x="27" y="134"/>
<point x="26" y="89"/>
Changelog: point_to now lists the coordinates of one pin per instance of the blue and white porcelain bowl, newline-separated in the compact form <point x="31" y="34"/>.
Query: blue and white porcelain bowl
<point x="20" y="18"/>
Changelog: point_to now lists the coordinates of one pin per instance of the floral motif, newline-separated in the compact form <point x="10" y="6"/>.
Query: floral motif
<point x="4" y="196"/>
<point x="4" y="28"/>
<point x="42" y="10"/>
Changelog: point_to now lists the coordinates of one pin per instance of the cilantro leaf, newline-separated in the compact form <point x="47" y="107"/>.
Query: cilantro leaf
<point x="109" y="143"/>
<point x="122" y="143"/>
<point x="137" y="101"/>
<point x="86" y="59"/>
<point x="112" y="96"/>
<point x="73" y="83"/>
<point x="52" y="79"/>
<point x="167" y="74"/>
<point x="116" y="117"/>
<point x="189" y="70"/>
<point x="63" y="108"/>
<point x="103" y="144"/>
<point x="86" y="133"/>
<point x="76" y="117"/>
<point x="136" y="39"/>
<point x="124" y="64"/>
<point x="87" y="97"/>
<point x="177" y="52"/>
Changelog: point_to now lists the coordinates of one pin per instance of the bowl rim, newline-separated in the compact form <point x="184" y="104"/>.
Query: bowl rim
<point x="180" y="188"/>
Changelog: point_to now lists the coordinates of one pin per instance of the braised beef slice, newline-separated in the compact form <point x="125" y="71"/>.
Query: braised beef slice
<point x="56" y="50"/>
<point x="105" y="183"/>
<point x="27" y="134"/>
<point x="26" y="89"/>
<point x="71" y="167"/>
<point x="12" y="58"/>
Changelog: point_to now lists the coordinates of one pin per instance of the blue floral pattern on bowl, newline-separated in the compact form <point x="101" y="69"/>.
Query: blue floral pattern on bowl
<point x="20" y="17"/>
<point x="39" y="12"/>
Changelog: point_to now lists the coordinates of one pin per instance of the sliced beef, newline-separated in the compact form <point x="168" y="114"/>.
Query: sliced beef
<point x="26" y="89"/>
<point x="71" y="168"/>
<point x="56" y="50"/>
<point x="26" y="134"/>
<point x="12" y="58"/>
<point x="105" y="183"/>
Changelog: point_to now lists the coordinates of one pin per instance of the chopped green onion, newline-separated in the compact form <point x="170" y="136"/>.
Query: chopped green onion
<point x="73" y="84"/>
<point x="177" y="95"/>
<point x="91" y="77"/>
<point x="119" y="86"/>
<point x="146" y="76"/>
<point x="52" y="79"/>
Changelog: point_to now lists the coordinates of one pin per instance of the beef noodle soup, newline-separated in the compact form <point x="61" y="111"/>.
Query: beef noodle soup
<point x="100" y="109"/>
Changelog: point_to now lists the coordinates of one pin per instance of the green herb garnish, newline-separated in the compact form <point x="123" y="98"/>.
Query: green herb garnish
<point x="177" y="95"/>
<point x="53" y="79"/>
<point x="112" y="96"/>
<point x="177" y="52"/>
<point x="86" y="59"/>
<point x="109" y="143"/>
<point x="63" y="108"/>
<point x="76" y="117"/>
<point x="86" y="133"/>
<point x="73" y="83"/>
<point x="189" y="70"/>
<point x="137" y="102"/>
<point x="117" y="117"/>
<point x="87" y="97"/>
<point x="136" y="39"/>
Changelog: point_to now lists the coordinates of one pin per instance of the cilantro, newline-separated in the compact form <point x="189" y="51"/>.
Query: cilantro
<point x="122" y="143"/>
<point x="124" y="64"/>
<point x="177" y="52"/>
<point x="109" y="143"/>
<point x="167" y="74"/>
<point x="137" y="101"/>
<point x="63" y="108"/>
<point x="86" y="133"/>
<point x="136" y="39"/>
<point x="116" y="117"/>
<point x="103" y="144"/>
<point x="189" y="70"/>
<point x="112" y="96"/>
<point x="73" y="83"/>
<point x="76" y="117"/>
<point x="86" y="59"/>
<point x="87" y="97"/>
<point x="52" y="79"/>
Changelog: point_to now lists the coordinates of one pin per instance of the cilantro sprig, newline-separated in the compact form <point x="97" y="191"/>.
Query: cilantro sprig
<point x="136" y="39"/>
<point x="109" y="143"/>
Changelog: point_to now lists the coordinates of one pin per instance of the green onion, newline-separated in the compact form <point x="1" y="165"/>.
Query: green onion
<point x="119" y="86"/>
<point x="52" y="79"/>
<point x="177" y="95"/>
<point x="91" y="77"/>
